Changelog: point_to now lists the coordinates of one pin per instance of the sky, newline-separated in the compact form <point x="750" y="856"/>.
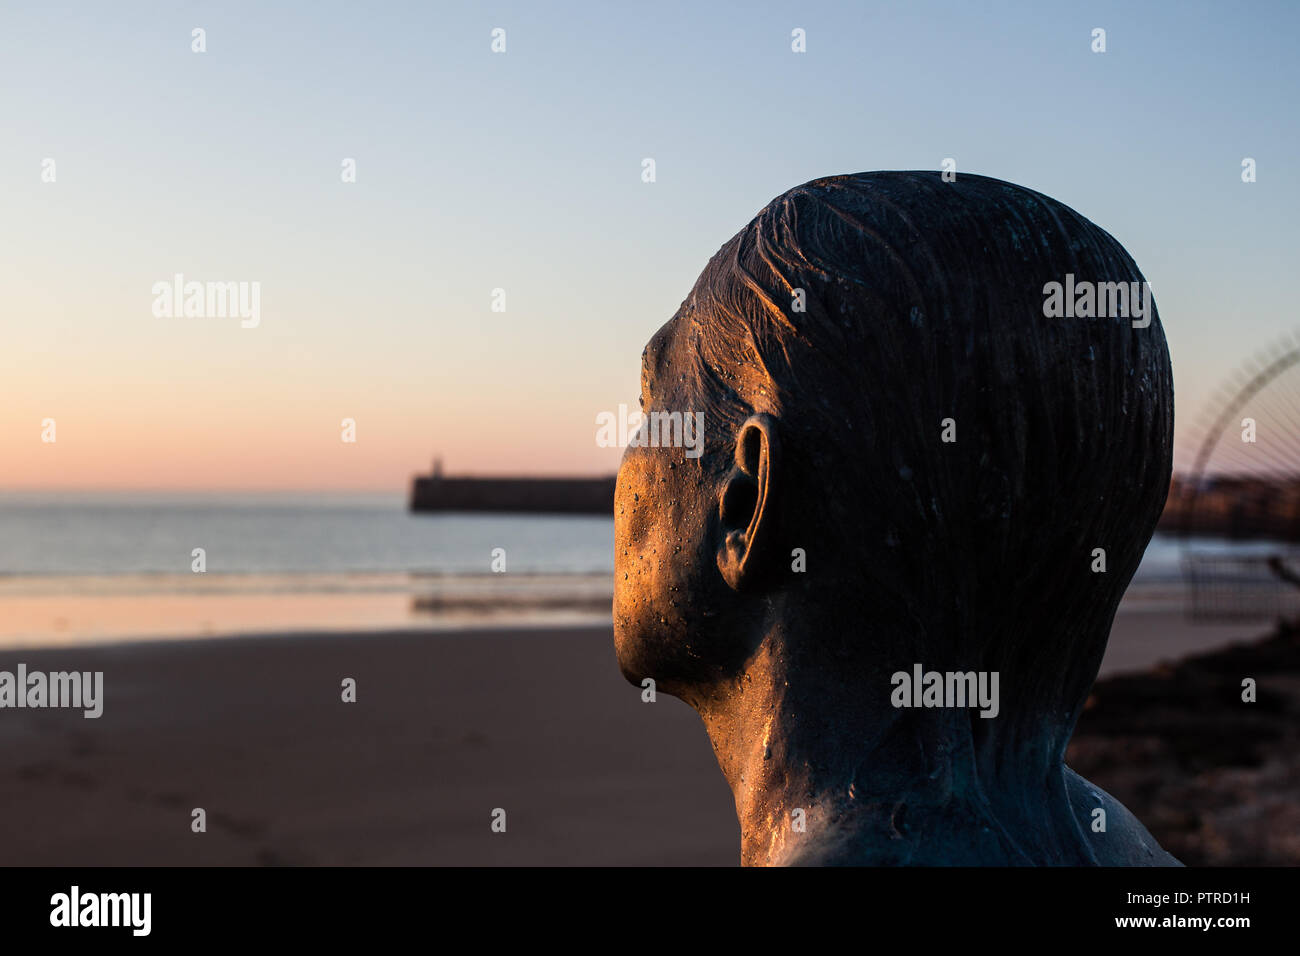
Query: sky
<point x="522" y="171"/>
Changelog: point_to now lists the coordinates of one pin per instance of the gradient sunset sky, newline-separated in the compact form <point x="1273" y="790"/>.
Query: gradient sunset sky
<point x="522" y="171"/>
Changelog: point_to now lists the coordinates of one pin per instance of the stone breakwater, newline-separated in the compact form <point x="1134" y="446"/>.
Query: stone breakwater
<point x="523" y="495"/>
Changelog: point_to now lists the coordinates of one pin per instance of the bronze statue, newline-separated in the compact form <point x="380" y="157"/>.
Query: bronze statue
<point x="887" y="583"/>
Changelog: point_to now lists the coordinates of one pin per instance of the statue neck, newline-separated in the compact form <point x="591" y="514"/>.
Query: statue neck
<point x="823" y="775"/>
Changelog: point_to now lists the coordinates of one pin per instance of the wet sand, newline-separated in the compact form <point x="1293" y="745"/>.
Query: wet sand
<point x="447" y="727"/>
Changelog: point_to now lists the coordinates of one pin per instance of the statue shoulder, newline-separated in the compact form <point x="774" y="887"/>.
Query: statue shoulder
<point x="1124" y="841"/>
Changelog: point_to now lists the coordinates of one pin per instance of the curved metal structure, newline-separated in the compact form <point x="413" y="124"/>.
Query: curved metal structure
<point x="1246" y="492"/>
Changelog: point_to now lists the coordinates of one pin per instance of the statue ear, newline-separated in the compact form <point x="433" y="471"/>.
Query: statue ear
<point x="746" y="503"/>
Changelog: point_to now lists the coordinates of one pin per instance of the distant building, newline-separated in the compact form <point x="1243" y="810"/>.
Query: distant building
<point x="1235" y="506"/>
<point x="436" y="492"/>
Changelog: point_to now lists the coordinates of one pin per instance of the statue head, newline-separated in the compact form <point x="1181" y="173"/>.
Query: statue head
<point x="923" y="447"/>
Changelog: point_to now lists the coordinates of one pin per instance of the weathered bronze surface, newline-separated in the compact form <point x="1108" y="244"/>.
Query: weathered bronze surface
<point x="830" y="538"/>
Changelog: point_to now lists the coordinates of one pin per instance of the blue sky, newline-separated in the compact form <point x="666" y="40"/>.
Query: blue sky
<point x="522" y="171"/>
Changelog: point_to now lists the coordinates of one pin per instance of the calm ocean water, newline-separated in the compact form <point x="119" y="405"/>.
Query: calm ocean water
<point x="133" y="534"/>
<point x="92" y="567"/>
<point x="79" y="568"/>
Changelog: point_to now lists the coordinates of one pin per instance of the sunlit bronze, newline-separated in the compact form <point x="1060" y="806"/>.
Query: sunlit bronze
<point x="829" y="537"/>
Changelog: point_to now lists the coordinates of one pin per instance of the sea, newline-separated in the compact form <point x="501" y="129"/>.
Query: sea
<point x="80" y="568"/>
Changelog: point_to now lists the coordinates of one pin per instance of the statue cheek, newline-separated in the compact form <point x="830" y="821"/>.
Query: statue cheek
<point x="635" y="515"/>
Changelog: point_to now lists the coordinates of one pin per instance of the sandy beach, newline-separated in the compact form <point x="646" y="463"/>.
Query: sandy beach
<point x="447" y="727"/>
